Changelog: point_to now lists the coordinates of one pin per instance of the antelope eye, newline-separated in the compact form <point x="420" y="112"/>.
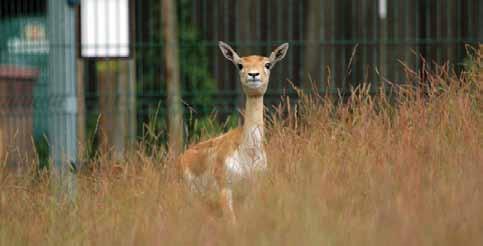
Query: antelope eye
<point x="240" y="66"/>
<point x="268" y="65"/>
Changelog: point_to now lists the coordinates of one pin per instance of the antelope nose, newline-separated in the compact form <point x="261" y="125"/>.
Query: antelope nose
<point x="253" y="74"/>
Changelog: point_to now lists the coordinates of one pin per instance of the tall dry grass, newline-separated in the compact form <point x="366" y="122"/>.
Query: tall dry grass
<point x="399" y="169"/>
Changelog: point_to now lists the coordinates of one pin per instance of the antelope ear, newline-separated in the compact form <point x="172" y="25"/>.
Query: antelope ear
<point x="279" y="53"/>
<point x="228" y="52"/>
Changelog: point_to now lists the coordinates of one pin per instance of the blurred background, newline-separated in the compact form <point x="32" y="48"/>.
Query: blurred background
<point x="77" y="77"/>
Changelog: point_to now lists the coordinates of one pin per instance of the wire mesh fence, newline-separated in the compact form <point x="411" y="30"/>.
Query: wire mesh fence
<point x="335" y="44"/>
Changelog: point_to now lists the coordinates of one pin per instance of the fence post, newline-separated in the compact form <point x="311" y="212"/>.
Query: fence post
<point x="81" y="111"/>
<point x="112" y="89"/>
<point x="62" y="93"/>
<point x="131" y="102"/>
<point x="312" y="44"/>
<point x="172" y="76"/>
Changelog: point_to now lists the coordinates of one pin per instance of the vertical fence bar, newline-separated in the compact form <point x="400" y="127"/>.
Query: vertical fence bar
<point x="374" y="45"/>
<point x="468" y="19"/>
<point x="382" y="8"/>
<point x="395" y="42"/>
<point x="217" y="36"/>
<point x="355" y="25"/>
<point x="479" y="37"/>
<point x="323" y="47"/>
<point x="332" y="47"/>
<point x="417" y="34"/>
<point x="258" y="28"/>
<point x="438" y="39"/>
<point x="427" y="28"/>
<point x="226" y="74"/>
<point x="158" y="47"/>
<point x="458" y="28"/>
<point x="279" y="39"/>
<point x="407" y="33"/>
<point x="365" y="46"/>
<point x="269" y="29"/>
<point x="300" y="37"/>
<point x="290" y="35"/>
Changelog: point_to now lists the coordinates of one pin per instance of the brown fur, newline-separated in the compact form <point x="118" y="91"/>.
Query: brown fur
<point x="196" y="158"/>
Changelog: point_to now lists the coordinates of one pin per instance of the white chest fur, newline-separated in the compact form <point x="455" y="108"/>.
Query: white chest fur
<point x="248" y="158"/>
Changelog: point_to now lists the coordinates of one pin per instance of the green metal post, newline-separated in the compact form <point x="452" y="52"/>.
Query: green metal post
<point x="62" y="90"/>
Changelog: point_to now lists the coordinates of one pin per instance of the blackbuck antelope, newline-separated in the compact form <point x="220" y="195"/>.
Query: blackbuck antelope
<point x="221" y="164"/>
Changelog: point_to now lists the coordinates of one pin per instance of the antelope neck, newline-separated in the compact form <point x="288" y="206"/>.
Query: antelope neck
<point x="253" y="117"/>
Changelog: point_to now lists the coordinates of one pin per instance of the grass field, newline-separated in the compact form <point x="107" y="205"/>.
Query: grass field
<point x="369" y="170"/>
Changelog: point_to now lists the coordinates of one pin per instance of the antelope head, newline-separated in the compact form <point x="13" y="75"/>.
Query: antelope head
<point x="254" y="70"/>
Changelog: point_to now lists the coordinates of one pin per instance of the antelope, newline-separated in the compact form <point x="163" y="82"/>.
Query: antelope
<point x="222" y="163"/>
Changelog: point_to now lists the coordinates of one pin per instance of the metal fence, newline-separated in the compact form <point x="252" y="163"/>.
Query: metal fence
<point x="323" y="36"/>
<point x="335" y="43"/>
